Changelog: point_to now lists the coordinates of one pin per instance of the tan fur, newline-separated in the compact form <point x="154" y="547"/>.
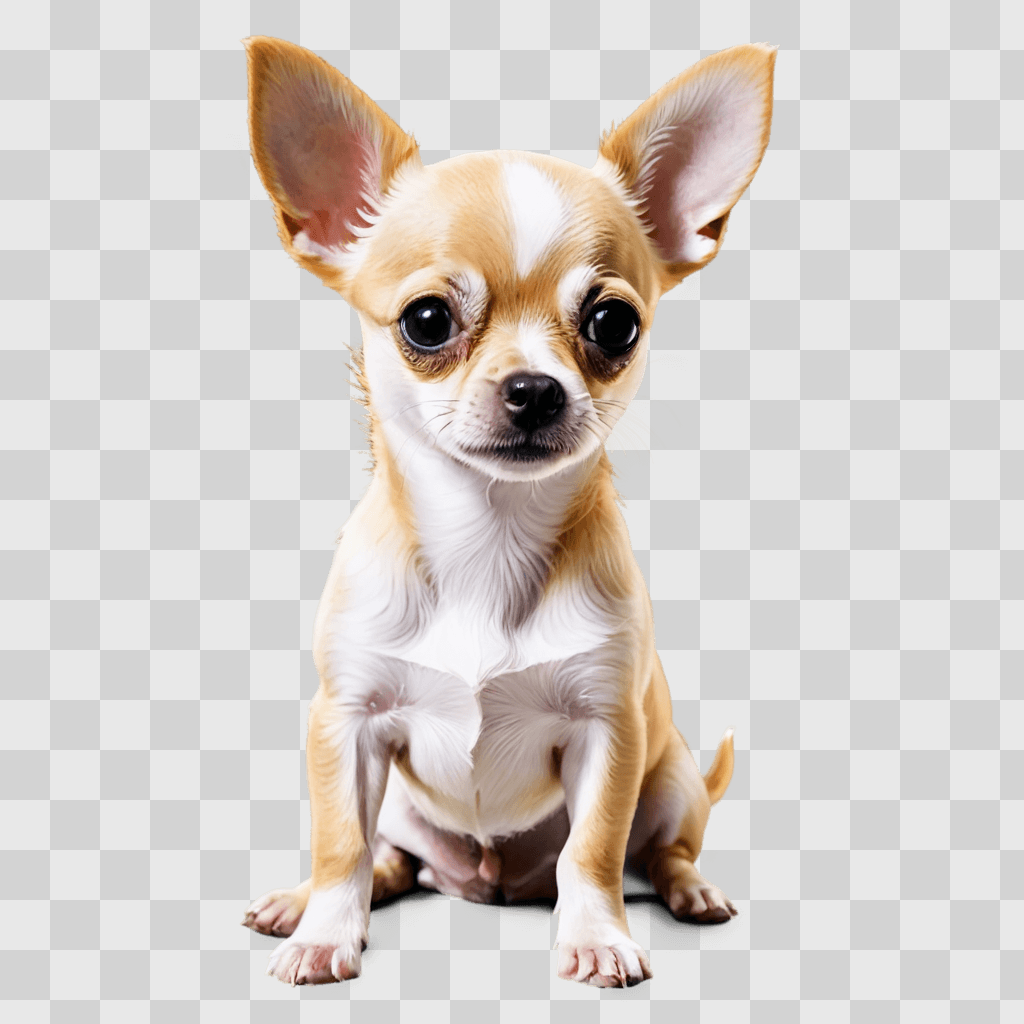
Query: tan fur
<point x="337" y="842"/>
<point x="720" y="773"/>
<point x="594" y="544"/>
<point x="599" y="840"/>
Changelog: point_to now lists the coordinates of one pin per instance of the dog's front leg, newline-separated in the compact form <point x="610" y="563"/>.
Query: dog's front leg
<point x="601" y="769"/>
<point x="347" y="761"/>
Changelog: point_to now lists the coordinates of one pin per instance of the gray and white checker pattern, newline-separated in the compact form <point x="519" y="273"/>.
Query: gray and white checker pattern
<point x="825" y="484"/>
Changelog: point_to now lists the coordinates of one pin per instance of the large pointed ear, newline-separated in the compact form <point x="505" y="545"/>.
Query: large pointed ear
<point x="325" y="152"/>
<point x="686" y="154"/>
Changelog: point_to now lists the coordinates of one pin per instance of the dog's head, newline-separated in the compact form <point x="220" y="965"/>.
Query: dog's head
<point x="506" y="298"/>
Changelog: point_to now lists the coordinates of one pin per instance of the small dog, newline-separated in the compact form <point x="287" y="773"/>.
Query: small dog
<point x="492" y="719"/>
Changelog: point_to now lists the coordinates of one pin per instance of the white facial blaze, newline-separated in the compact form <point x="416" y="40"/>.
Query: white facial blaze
<point x="539" y="211"/>
<point x="573" y="288"/>
<point x="534" y="342"/>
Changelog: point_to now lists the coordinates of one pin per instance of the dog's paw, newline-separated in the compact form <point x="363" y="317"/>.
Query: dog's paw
<point x="330" y="938"/>
<point x="696" y="899"/>
<point x="618" y="963"/>
<point x="298" y="963"/>
<point x="277" y="913"/>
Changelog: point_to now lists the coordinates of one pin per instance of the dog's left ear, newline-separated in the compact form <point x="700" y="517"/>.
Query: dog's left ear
<point x="687" y="154"/>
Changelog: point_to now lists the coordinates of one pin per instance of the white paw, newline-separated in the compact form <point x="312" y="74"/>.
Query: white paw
<point x="299" y="963"/>
<point x="611" y="961"/>
<point x="328" y="943"/>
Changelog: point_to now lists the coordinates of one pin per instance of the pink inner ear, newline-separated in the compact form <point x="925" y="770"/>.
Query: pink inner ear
<point x="323" y="164"/>
<point x="698" y="167"/>
<point x="669" y="195"/>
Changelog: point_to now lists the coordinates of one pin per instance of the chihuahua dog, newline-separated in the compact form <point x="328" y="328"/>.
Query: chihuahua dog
<point x="492" y="720"/>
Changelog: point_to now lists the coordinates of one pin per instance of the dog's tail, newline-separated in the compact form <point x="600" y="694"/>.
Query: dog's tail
<point x="720" y="773"/>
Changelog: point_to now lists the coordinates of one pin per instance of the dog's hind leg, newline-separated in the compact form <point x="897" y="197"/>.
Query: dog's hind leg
<point x="278" y="912"/>
<point x="668" y="830"/>
<point x="393" y="870"/>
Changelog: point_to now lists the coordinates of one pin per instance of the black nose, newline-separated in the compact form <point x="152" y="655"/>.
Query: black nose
<point x="532" y="400"/>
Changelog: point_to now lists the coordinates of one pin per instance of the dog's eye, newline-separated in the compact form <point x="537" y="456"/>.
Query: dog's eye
<point x="613" y="326"/>
<point x="427" y="323"/>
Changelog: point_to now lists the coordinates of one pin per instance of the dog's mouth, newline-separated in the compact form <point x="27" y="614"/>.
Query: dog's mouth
<point x="508" y="447"/>
<point x="524" y="451"/>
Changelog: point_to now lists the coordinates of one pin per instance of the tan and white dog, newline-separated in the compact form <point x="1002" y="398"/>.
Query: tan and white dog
<point x="492" y="719"/>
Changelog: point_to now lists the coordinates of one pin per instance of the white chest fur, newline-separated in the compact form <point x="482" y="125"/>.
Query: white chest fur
<point x="479" y="706"/>
<point x="478" y="671"/>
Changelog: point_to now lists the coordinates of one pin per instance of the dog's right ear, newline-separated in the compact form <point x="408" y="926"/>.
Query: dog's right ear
<point x="325" y="152"/>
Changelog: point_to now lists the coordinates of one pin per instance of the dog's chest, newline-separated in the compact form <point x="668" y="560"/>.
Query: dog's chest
<point x="477" y="704"/>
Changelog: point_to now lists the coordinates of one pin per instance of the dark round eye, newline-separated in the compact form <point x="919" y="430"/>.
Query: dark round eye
<point x="426" y="323"/>
<point x="613" y="326"/>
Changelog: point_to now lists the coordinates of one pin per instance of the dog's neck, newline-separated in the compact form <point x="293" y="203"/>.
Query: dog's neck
<point x="485" y="543"/>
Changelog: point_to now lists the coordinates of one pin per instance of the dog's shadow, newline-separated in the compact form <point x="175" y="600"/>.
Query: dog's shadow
<point x="385" y="927"/>
<point x="637" y="890"/>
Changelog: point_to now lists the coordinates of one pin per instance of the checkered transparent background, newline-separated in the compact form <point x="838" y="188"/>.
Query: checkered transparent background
<point x="825" y="484"/>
